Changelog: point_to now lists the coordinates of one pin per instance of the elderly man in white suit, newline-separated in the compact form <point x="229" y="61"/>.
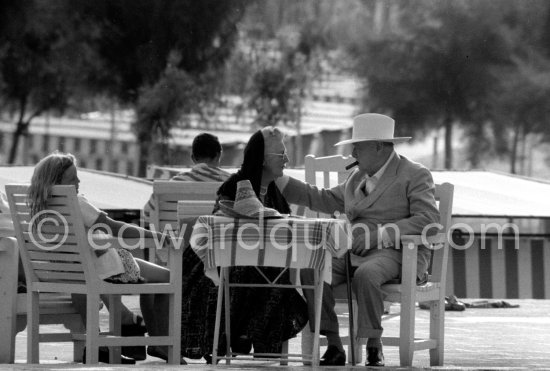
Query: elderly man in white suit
<point x="387" y="195"/>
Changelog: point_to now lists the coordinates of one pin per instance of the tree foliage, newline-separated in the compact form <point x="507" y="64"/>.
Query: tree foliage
<point x="137" y="37"/>
<point x="44" y="49"/>
<point x="438" y="69"/>
<point x="161" y="106"/>
<point x="276" y="94"/>
<point x="522" y="106"/>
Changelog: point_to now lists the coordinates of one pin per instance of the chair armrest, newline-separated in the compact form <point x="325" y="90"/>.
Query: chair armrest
<point x="175" y="251"/>
<point x="416" y="239"/>
<point x="410" y="245"/>
<point x="133" y="243"/>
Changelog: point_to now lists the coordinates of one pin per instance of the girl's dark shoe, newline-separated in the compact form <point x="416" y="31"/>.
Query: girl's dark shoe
<point x="135" y="329"/>
<point x="154" y="352"/>
<point x="208" y="359"/>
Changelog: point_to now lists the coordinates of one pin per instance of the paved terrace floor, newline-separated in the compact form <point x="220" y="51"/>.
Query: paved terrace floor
<point x="496" y="338"/>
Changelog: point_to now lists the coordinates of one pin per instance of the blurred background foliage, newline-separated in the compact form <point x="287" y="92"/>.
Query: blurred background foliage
<point x="478" y="66"/>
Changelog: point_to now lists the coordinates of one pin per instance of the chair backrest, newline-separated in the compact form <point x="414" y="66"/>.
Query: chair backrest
<point x="195" y="208"/>
<point x="56" y="250"/>
<point x="168" y="193"/>
<point x="444" y="193"/>
<point x="188" y="212"/>
<point x="324" y="172"/>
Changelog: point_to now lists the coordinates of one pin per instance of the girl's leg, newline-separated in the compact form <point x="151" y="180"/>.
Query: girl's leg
<point x="155" y="307"/>
<point x="153" y="273"/>
<point x="127" y="316"/>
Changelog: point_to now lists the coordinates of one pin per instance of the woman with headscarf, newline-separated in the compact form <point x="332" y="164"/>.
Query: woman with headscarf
<point x="260" y="317"/>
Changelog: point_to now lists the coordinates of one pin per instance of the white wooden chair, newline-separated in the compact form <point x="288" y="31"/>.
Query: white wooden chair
<point x="324" y="172"/>
<point x="167" y="193"/>
<point x="57" y="258"/>
<point x="54" y="308"/>
<point x="433" y="292"/>
<point x="406" y="292"/>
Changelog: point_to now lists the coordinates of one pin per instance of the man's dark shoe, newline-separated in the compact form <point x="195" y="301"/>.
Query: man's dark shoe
<point x="333" y="357"/>
<point x="104" y="357"/>
<point x="375" y="357"/>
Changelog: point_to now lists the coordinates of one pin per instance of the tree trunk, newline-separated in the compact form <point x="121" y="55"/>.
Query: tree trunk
<point x="143" y="157"/>
<point x="448" y="143"/>
<point x="435" y="155"/>
<point x="523" y="148"/>
<point x="299" y="159"/>
<point x="112" y="133"/>
<point x="20" y="130"/>
<point x="514" y="154"/>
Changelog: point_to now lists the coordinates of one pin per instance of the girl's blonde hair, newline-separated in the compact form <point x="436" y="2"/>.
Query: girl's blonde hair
<point x="47" y="173"/>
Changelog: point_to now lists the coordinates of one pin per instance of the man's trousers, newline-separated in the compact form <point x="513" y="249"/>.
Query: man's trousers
<point x="377" y="268"/>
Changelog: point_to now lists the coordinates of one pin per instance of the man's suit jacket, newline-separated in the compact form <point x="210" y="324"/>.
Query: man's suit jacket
<point x="402" y="201"/>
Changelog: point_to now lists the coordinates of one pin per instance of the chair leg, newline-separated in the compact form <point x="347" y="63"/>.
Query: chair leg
<point x="114" y="326"/>
<point x="227" y="317"/>
<point x="437" y="332"/>
<point x="78" y="327"/>
<point x="33" y="321"/>
<point x="218" y="318"/>
<point x="174" y="328"/>
<point x="284" y="355"/>
<point x="92" y="329"/>
<point x="318" y="306"/>
<point x="307" y="343"/>
<point x="406" y="331"/>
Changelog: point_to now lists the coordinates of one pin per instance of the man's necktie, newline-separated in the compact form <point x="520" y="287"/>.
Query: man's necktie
<point x="361" y="190"/>
<point x="370" y="184"/>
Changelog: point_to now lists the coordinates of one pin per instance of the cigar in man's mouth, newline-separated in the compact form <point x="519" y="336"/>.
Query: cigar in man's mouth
<point x="352" y="165"/>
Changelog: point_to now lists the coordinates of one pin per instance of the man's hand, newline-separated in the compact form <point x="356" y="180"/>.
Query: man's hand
<point x="363" y="241"/>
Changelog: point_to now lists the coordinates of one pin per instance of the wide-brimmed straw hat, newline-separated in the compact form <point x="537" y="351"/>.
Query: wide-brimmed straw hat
<point x="373" y="127"/>
<point x="246" y="204"/>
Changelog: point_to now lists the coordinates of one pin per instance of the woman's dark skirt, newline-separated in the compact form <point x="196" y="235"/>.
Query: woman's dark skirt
<point x="260" y="317"/>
